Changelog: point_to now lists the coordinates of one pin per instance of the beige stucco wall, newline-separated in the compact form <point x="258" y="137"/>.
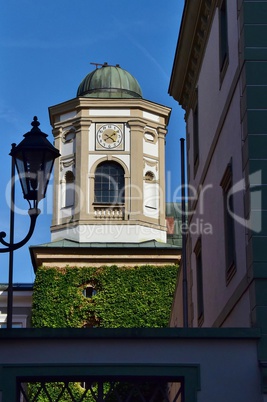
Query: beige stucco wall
<point x="220" y="142"/>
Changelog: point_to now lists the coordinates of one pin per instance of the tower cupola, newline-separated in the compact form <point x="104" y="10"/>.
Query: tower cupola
<point x="110" y="178"/>
<point x="109" y="82"/>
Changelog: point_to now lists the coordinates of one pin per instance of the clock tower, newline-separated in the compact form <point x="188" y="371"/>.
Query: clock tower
<point x="109" y="183"/>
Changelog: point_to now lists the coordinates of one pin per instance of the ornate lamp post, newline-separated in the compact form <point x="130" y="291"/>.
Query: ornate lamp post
<point x="33" y="158"/>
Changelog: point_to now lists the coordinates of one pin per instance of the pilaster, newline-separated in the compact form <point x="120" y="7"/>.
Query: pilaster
<point x="162" y="200"/>
<point x="82" y="176"/>
<point x="137" y="128"/>
<point x="57" y="132"/>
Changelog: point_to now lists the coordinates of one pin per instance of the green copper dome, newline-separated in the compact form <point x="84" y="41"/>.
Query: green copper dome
<point x="109" y="82"/>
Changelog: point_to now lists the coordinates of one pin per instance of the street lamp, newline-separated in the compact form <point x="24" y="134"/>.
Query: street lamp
<point x="33" y="158"/>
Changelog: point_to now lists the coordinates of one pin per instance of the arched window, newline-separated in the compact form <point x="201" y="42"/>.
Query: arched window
<point x="69" y="195"/>
<point x="109" y="183"/>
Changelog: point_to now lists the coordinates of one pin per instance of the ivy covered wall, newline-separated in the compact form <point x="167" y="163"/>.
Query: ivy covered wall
<point x="125" y="296"/>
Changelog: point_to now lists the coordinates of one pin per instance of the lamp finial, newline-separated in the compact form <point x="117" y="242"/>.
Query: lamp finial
<point x="35" y="123"/>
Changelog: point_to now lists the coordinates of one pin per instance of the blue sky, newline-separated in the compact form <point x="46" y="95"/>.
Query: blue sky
<point x="46" y="50"/>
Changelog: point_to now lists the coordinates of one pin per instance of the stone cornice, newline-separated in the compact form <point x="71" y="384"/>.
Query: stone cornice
<point x="78" y="104"/>
<point x="195" y="26"/>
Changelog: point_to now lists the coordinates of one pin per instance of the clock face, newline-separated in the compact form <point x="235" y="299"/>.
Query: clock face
<point x="109" y="136"/>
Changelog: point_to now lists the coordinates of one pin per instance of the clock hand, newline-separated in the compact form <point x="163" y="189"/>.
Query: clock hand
<point x="109" y="137"/>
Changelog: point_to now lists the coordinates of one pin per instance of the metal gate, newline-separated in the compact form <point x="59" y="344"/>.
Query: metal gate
<point x="86" y="389"/>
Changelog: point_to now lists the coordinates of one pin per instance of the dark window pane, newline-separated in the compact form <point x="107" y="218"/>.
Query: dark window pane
<point x="223" y="33"/>
<point x="109" y="183"/>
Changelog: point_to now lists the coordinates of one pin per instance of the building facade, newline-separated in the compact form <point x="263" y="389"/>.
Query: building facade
<point x="109" y="230"/>
<point x="221" y="85"/>
<point x="22" y="305"/>
<point x="219" y="79"/>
